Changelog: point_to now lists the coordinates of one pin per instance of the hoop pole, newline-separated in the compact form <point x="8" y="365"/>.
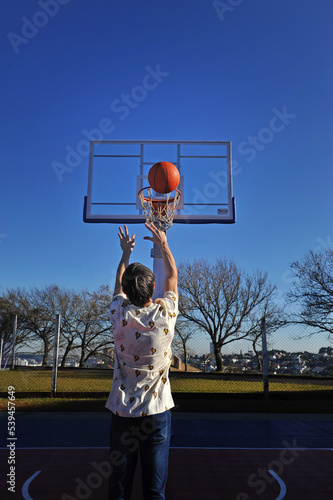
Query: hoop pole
<point x="158" y="270"/>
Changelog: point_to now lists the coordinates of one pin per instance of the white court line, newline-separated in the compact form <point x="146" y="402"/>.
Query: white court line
<point x="59" y="448"/>
<point x="171" y="447"/>
<point x="242" y="448"/>
<point x="25" y="487"/>
<point x="283" y="489"/>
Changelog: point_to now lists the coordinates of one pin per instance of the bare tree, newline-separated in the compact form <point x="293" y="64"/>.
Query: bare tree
<point x="223" y="300"/>
<point x="69" y="301"/>
<point x="38" y="307"/>
<point x="275" y="318"/>
<point x="94" y="331"/>
<point x="85" y="323"/>
<point x="9" y="308"/>
<point x="312" y="291"/>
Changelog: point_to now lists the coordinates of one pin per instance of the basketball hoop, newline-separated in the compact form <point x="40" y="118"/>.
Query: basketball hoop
<point x="159" y="211"/>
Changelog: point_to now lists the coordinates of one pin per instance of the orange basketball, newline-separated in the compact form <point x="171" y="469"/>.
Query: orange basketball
<point x="164" y="177"/>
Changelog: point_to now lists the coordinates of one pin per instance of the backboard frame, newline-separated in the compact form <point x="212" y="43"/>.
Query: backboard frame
<point x="225" y="211"/>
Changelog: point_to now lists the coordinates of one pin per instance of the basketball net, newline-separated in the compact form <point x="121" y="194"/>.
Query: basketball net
<point x="159" y="211"/>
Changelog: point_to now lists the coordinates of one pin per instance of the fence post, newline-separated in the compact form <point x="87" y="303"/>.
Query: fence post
<point x="264" y="357"/>
<point x="1" y="349"/>
<point x="55" y="356"/>
<point x="14" y="340"/>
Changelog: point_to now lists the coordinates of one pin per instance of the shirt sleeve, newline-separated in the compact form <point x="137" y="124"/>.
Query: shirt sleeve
<point x="116" y="304"/>
<point x="169" y="304"/>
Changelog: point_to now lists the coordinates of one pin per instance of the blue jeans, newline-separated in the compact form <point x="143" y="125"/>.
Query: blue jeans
<point x="151" y="436"/>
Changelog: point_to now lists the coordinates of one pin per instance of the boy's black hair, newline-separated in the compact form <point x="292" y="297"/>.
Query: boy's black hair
<point x="138" y="284"/>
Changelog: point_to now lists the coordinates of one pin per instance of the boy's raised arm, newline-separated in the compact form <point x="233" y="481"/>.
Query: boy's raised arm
<point x="127" y="244"/>
<point x="171" y="275"/>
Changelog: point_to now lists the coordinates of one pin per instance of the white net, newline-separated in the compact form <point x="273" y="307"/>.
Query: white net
<point x="159" y="211"/>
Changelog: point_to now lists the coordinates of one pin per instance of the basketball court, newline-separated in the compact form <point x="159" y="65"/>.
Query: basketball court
<point x="212" y="456"/>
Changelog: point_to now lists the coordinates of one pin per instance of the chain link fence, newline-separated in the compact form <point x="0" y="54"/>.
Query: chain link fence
<point x="295" y="360"/>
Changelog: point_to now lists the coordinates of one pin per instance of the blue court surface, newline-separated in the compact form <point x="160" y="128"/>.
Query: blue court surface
<point x="213" y="455"/>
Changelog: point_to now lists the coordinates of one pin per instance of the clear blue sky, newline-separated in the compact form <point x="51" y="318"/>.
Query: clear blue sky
<point x="227" y="71"/>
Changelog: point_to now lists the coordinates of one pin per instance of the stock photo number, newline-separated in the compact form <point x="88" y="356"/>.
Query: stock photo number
<point x="11" y="440"/>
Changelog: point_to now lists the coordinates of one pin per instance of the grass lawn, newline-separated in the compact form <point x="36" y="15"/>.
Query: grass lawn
<point x="90" y="380"/>
<point x="68" y="380"/>
<point x="99" y="381"/>
<point x="55" y="404"/>
<point x="240" y="386"/>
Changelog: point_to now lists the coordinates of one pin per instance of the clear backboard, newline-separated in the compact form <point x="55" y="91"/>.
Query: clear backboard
<point x="119" y="169"/>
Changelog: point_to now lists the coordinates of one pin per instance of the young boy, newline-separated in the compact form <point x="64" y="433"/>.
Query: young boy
<point x="140" y="397"/>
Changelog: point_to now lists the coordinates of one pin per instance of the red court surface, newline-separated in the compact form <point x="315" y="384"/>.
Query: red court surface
<point x="64" y="456"/>
<point x="204" y="474"/>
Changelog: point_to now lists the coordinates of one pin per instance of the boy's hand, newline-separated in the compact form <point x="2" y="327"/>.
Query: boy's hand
<point x="158" y="236"/>
<point x="170" y="268"/>
<point x="126" y="242"/>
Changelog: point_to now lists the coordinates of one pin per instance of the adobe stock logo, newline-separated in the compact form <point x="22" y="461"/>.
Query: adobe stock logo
<point x="262" y="477"/>
<point x="249" y="149"/>
<point x="30" y="27"/>
<point x="223" y="8"/>
<point x="265" y="136"/>
<point x="100" y="472"/>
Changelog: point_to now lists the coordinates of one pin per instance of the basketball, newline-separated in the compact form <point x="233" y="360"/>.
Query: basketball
<point x="164" y="177"/>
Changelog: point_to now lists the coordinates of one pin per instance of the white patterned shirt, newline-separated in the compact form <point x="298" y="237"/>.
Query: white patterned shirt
<point x="143" y="337"/>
